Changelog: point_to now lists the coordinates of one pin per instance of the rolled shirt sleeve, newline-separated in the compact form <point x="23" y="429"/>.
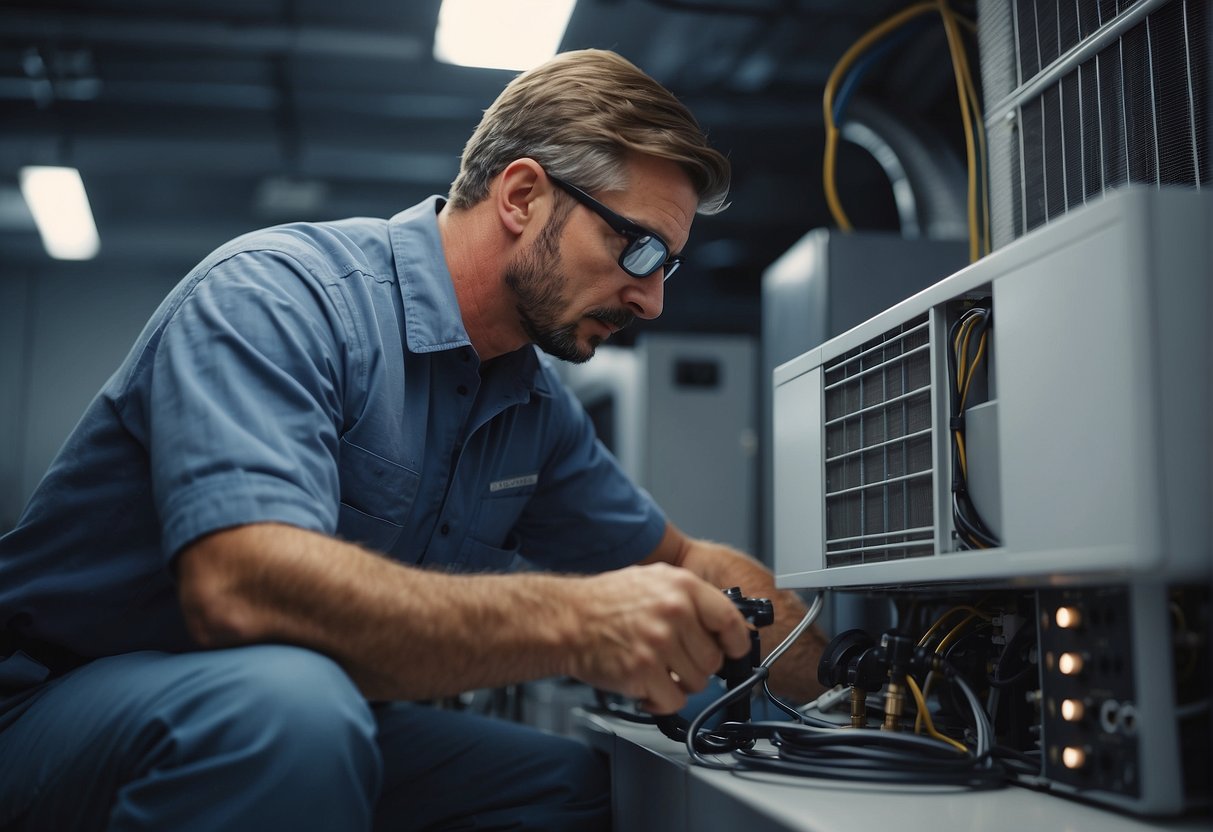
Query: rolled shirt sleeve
<point x="244" y="392"/>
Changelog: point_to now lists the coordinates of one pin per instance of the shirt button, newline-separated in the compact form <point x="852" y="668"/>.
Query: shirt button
<point x="462" y="390"/>
<point x="446" y="529"/>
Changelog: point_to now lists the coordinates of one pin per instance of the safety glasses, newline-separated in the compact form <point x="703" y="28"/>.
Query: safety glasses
<point x="645" y="252"/>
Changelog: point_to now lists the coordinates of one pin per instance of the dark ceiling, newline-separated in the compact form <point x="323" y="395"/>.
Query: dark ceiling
<point x="195" y="121"/>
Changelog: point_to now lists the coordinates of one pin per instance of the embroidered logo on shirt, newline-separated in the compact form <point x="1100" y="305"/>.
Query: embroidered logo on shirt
<point x="513" y="482"/>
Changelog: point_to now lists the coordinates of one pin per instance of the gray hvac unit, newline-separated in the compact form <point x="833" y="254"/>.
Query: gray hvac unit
<point x="1085" y="354"/>
<point x="1084" y="96"/>
<point x="1088" y="429"/>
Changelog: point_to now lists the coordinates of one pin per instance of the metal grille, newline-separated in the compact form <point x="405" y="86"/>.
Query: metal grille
<point x="879" y="472"/>
<point x="1084" y="96"/>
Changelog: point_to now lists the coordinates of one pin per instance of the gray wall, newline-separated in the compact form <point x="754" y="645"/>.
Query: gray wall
<point x="63" y="331"/>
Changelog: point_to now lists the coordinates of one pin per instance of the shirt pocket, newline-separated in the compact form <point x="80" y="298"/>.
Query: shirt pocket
<point x="376" y="497"/>
<point x="475" y="556"/>
<point x="497" y="515"/>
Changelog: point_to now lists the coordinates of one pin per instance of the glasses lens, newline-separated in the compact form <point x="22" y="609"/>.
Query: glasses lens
<point x="643" y="256"/>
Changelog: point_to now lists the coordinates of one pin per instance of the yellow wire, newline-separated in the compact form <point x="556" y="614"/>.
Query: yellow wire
<point x="979" y="128"/>
<point x="944" y="617"/>
<point x="984" y="171"/>
<point x="962" y="353"/>
<point x="947" y="640"/>
<point x="960" y="357"/>
<point x="981" y="351"/>
<point x="925" y="716"/>
<point x="844" y="63"/>
<point x="963" y="81"/>
<point x="956" y="48"/>
<point x="979" y="239"/>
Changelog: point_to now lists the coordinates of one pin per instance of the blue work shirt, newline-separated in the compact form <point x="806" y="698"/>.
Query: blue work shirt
<point x="317" y="375"/>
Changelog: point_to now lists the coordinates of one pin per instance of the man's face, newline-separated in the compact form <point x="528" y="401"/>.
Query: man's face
<point x="570" y="291"/>
<point x="541" y="286"/>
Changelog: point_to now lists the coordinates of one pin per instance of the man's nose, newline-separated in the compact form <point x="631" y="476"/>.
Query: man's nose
<point x="645" y="297"/>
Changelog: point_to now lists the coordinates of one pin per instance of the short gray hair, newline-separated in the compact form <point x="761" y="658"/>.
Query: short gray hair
<point x="581" y="115"/>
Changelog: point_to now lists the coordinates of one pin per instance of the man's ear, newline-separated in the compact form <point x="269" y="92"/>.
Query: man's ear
<point x="520" y="194"/>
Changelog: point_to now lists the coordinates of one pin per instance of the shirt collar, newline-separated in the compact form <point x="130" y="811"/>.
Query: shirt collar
<point x="432" y="321"/>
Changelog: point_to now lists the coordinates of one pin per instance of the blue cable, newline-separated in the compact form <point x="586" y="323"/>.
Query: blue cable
<point x="870" y="59"/>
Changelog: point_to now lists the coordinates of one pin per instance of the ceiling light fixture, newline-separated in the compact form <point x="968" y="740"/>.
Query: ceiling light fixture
<point x="500" y="34"/>
<point x="56" y="198"/>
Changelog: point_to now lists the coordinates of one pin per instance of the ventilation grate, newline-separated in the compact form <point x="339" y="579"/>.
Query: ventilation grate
<point x="1084" y="96"/>
<point x="879" y="471"/>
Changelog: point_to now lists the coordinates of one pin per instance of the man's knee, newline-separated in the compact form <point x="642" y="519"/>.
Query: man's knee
<point x="225" y="739"/>
<point x="280" y="700"/>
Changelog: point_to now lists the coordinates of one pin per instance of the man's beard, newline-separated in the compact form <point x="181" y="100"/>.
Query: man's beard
<point x="538" y="283"/>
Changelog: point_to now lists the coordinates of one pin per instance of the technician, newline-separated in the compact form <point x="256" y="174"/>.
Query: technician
<point x="256" y="546"/>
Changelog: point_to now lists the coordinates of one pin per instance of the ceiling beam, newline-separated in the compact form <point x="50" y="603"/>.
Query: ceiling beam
<point x="210" y="36"/>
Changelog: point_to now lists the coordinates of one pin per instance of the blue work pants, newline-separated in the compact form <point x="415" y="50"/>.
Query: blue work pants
<point x="273" y="737"/>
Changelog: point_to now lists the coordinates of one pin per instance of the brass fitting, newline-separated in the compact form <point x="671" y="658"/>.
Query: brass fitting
<point x="859" y="707"/>
<point x="894" y="703"/>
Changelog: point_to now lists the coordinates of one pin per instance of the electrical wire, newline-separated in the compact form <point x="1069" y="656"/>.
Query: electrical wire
<point x="863" y="65"/>
<point x="944" y="642"/>
<point x="985" y="731"/>
<point x="805" y="749"/>
<point x="956" y="48"/>
<point x="779" y="703"/>
<point x="978" y="123"/>
<point x="850" y="69"/>
<point x="810" y="616"/>
<point x="926" y="637"/>
<point x="974" y="322"/>
<point x="955" y="632"/>
<point x="695" y="740"/>
<point x="1018" y="762"/>
<point x="836" y="75"/>
<point x="806" y="621"/>
<point x="925" y="716"/>
<point x="855" y="755"/>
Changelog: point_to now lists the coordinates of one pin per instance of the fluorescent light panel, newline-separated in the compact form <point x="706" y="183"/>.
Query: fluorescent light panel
<point x="500" y="34"/>
<point x="60" y="207"/>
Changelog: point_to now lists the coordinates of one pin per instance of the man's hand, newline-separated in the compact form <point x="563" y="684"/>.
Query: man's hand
<point x="794" y="675"/>
<point x="655" y="633"/>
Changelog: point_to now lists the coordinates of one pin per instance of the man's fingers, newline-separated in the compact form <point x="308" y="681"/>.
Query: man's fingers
<point x="703" y="652"/>
<point x="664" y="696"/>
<point x="720" y="616"/>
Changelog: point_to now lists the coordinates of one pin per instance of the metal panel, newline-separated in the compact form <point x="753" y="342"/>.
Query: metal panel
<point x="1103" y="386"/>
<point x="798" y="506"/>
<point x="1131" y="736"/>
<point x="1083" y="97"/>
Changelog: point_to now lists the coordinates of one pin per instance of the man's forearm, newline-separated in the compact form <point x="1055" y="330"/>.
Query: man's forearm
<point x="651" y="632"/>
<point x="400" y="632"/>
